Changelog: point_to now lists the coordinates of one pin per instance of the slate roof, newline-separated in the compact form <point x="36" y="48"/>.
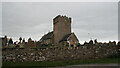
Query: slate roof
<point x="65" y="37"/>
<point x="47" y="36"/>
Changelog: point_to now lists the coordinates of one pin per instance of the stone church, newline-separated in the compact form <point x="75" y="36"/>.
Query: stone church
<point x="61" y="33"/>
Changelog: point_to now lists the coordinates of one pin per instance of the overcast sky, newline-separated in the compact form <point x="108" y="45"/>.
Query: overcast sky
<point x="96" y="20"/>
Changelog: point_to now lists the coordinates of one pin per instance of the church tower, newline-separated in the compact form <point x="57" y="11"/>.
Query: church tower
<point x="62" y="26"/>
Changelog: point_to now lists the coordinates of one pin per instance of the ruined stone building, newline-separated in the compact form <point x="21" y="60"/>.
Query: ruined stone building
<point x="61" y="33"/>
<point x="4" y="40"/>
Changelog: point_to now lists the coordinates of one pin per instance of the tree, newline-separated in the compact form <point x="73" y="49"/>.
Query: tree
<point x="10" y="41"/>
<point x="20" y="39"/>
<point x="95" y="41"/>
<point x="23" y="41"/>
<point x="29" y="39"/>
<point x="91" y="42"/>
<point x="118" y="43"/>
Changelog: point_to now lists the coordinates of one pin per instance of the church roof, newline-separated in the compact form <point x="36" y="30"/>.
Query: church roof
<point x="47" y="36"/>
<point x="65" y="37"/>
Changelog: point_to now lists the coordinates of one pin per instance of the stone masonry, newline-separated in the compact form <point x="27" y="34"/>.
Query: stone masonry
<point x="62" y="26"/>
<point x="54" y="54"/>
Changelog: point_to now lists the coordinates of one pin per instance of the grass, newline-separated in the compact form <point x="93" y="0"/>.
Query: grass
<point x="63" y="63"/>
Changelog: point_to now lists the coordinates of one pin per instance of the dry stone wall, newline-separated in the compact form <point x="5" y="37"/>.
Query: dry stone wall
<point x="53" y="54"/>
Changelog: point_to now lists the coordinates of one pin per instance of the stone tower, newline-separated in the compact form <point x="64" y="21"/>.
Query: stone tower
<point x="62" y="26"/>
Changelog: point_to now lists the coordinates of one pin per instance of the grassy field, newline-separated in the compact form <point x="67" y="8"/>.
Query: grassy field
<point x="62" y="63"/>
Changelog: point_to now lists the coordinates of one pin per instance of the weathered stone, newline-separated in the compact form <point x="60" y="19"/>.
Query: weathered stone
<point x="83" y="52"/>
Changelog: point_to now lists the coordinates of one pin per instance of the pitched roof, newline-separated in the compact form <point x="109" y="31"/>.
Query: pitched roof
<point x="65" y="37"/>
<point x="47" y="36"/>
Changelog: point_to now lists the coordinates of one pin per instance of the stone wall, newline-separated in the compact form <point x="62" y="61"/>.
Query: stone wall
<point x="52" y="54"/>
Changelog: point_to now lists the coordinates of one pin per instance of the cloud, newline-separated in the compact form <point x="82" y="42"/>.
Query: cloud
<point x="33" y="19"/>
